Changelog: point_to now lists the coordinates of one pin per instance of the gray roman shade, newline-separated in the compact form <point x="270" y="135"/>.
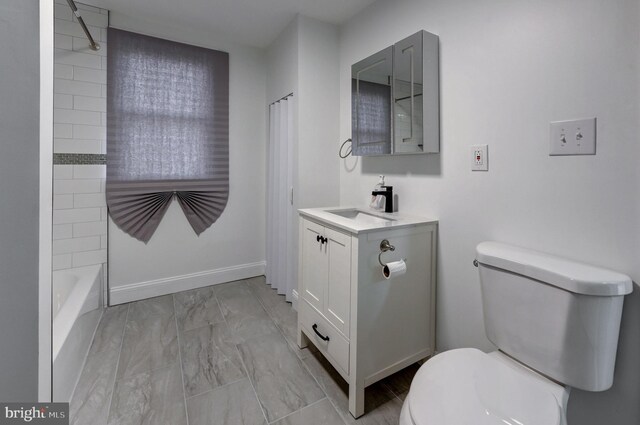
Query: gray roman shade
<point x="167" y="132"/>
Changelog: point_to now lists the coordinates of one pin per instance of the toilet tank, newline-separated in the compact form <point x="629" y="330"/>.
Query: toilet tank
<point x="557" y="316"/>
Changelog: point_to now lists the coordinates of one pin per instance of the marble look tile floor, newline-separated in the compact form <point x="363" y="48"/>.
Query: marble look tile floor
<point x="220" y="355"/>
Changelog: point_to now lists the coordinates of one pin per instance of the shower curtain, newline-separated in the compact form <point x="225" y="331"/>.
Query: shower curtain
<point x="281" y="265"/>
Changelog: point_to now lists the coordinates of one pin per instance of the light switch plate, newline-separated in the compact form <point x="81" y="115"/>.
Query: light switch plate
<point x="573" y="137"/>
<point x="479" y="158"/>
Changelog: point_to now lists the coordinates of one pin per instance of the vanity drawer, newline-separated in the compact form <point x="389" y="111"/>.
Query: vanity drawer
<point x="336" y="348"/>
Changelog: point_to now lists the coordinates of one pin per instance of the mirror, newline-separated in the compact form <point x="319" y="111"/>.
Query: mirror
<point x="371" y="105"/>
<point x="407" y="95"/>
<point x="395" y="99"/>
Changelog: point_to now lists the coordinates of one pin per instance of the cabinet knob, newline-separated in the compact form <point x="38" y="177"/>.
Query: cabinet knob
<point x="323" y="239"/>
<point x="318" y="238"/>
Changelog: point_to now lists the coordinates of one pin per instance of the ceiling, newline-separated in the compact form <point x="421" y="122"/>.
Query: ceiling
<point x="250" y="22"/>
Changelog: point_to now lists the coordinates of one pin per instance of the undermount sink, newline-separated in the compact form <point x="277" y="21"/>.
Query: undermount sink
<point x="360" y="216"/>
<point x="361" y="219"/>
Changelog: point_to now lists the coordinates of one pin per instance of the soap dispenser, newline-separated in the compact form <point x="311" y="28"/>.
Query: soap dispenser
<point x="378" y="201"/>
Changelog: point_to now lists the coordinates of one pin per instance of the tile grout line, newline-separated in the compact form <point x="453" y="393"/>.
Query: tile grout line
<point x="302" y="363"/>
<point x="149" y="371"/>
<point x="391" y="389"/>
<point x="115" y="378"/>
<point x="207" y="323"/>
<point x="289" y="343"/>
<point x="384" y="384"/>
<point x="299" y="410"/>
<point x="217" y="388"/>
<point x="184" y="331"/>
<point x="272" y="319"/>
<point x="323" y="390"/>
<point x="281" y="332"/>
<point x="255" y="393"/>
<point x="244" y="366"/>
<point x="184" y="393"/>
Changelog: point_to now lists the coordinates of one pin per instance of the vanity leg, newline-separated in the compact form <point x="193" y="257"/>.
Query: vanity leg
<point x="356" y="399"/>
<point x="303" y="341"/>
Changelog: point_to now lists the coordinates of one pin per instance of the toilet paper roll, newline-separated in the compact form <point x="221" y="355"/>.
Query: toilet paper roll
<point x="394" y="269"/>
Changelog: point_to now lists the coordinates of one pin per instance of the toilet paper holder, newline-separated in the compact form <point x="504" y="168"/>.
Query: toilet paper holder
<point x="385" y="246"/>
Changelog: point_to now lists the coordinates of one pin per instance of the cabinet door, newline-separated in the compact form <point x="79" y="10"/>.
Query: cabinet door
<point x="314" y="265"/>
<point x="338" y="296"/>
<point x="371" y="104"/>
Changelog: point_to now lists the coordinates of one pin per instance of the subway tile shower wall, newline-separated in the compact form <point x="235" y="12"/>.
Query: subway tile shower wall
<point x="80" y="106"/>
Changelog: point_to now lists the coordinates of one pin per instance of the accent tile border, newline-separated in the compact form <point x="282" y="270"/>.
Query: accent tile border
<point x="79" y="159"/>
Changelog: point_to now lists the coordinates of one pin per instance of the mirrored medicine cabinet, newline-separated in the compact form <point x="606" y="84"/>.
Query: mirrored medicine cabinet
<point x="395" y="105"/>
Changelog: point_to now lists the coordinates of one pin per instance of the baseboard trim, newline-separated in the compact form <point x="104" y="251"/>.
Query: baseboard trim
<point x="169" y="285"/>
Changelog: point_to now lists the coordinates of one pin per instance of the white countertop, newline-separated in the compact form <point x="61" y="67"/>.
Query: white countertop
<point x="396" y="220"/>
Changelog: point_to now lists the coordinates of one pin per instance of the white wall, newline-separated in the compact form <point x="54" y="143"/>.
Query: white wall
<point x="282" y="64"/>
<point x="318" y="110"/>
<point x="304" y="60"/>
<point x="507" y="70"/>
<point x="233" y="247"/>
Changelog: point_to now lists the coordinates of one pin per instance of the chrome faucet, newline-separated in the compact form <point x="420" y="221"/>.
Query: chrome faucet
<point x="387" y="192"/>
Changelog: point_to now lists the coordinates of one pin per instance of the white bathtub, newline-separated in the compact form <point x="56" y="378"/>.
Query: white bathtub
<point x="77" y="310"/>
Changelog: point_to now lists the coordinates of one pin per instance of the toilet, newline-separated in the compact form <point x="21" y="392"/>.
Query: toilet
<point x="555" y="323"/>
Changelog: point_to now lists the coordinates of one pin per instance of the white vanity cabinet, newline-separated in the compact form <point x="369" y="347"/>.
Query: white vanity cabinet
<point x="367" y="326"/>
<point x="327" y="273"/>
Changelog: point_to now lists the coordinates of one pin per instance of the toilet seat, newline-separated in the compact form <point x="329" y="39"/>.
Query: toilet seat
<point x="467" y="386"/>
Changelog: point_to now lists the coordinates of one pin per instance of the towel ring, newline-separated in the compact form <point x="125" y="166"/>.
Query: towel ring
<point x="342" y="146"/>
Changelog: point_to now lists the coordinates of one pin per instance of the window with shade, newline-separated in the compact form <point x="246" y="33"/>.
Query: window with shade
<point x="167" y="132"/>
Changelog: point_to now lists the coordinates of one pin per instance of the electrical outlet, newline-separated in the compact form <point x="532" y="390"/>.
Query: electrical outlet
<point x="479" y="158"/>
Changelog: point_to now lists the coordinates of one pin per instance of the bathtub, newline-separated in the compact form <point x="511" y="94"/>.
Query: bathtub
<point x="76" y="310"/>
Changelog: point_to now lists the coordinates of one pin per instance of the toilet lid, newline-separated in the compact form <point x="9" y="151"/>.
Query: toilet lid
<point x="467" y="386"/>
